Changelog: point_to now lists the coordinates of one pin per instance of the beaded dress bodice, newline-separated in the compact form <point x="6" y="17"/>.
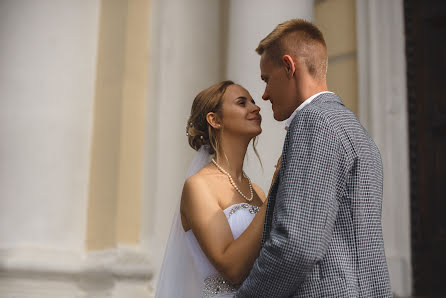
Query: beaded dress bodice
<point x="239" y="217"/>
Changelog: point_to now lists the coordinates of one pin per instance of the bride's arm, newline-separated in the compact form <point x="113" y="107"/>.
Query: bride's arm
<point x="232" y="258"/>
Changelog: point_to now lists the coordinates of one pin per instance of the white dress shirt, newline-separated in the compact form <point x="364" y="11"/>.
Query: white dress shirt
<point x="306" y="102"/>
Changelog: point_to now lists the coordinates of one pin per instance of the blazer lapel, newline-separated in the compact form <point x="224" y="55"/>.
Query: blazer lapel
<point x="272" y="195"/>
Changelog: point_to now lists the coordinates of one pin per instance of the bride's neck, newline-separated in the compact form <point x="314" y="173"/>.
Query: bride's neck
<point x="231" y="156"/>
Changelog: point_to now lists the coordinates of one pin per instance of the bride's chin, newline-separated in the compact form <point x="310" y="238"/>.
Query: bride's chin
<point x="257" y="133"/>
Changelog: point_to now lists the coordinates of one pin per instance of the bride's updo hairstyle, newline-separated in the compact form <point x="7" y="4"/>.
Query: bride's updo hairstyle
<point x="198" y="130"/>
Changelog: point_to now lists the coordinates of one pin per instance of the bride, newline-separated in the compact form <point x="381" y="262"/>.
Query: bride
<point x="216" y="233"/>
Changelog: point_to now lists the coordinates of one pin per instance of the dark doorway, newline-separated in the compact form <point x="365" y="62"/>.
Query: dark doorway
<point x="425" y="25"/>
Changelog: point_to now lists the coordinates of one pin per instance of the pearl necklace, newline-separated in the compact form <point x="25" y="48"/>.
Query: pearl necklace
<point x="233" y="183"/>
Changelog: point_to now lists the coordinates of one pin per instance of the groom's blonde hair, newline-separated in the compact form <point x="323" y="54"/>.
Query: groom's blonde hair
<point x="299" y="39"/>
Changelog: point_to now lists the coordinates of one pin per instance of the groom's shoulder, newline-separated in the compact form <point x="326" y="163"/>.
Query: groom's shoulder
<point x="328" y="108"/>
<point x="326" y="113"/>
<point x="310" y="116"/>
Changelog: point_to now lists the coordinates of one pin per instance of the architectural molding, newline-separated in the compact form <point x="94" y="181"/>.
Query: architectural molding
<point x="383" y="112"/>
<point x="45" y="272"/>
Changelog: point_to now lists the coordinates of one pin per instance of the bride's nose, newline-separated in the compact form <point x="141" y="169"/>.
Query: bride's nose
<point x="256" y="108"/>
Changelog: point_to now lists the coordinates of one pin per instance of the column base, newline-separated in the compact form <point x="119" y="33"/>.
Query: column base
<point x="35" y="272"/>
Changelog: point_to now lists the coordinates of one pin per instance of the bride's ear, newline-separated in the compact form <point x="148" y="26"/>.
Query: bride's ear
<point x="213" y="120"/>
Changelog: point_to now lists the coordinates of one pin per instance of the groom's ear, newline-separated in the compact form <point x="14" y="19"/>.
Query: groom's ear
<point x="290" y="66"/>
<point x="213" y="120"/>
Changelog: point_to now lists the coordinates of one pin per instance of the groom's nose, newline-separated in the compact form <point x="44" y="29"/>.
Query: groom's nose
<point x="265" y="96"/>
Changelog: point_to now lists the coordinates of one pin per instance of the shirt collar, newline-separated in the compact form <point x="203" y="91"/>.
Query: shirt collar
<point x="302" y="105"/>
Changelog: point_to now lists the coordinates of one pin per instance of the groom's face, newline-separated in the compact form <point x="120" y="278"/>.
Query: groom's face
<point x="278" y="89"/>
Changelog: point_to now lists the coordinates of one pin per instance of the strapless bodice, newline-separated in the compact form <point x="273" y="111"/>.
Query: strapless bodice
<point x="239" y="217"/>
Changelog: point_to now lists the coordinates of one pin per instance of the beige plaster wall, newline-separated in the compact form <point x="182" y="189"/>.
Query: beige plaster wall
<point x="133" y="123"/>
<point x="337" y="21"/>
<point x="117" y="146"/>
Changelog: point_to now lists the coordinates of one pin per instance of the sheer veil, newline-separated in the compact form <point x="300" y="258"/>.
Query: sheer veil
<point x="179" y="276"/>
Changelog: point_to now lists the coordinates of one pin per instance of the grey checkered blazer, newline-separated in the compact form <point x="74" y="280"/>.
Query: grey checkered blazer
<point x="322" y="235"/>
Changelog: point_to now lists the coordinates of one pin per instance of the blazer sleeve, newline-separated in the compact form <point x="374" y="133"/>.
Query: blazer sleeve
<point x="305" y="209"/>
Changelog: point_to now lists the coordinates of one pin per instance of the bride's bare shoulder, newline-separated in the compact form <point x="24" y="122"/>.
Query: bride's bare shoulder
<point x="200" y="179"/>
<point x="198" y="186"/>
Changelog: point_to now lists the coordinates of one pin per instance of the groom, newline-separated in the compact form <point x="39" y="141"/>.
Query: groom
<point x="322" y="235"/>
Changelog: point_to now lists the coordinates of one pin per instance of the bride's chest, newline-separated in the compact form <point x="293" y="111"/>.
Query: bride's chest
<point x="239" y="217"/>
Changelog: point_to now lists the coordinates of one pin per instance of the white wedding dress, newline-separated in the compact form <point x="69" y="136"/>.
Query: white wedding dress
<point x="186" y="272"/>
<point x="239" y="217"/>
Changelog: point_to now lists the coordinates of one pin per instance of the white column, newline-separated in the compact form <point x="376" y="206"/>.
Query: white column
<point x="47" y="77"/>
<point x="184" y="58"/>
<point x="249" y="22"/>
<point x="383" y="111"/>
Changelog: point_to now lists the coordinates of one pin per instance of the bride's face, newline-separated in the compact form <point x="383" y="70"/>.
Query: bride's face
<point x="240" y="113"/>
